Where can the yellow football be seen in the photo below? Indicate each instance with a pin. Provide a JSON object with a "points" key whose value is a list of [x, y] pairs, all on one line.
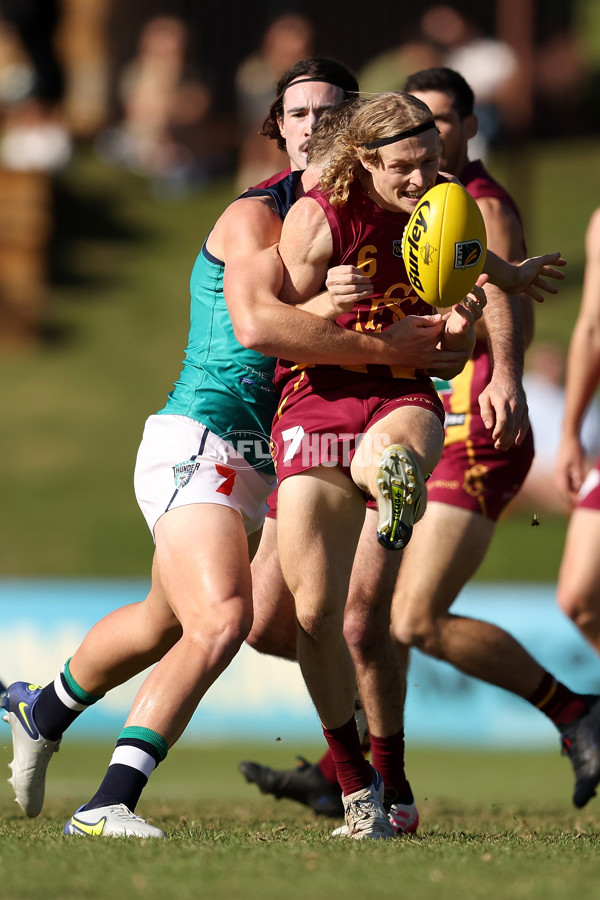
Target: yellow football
{"points": [[444, 245]]}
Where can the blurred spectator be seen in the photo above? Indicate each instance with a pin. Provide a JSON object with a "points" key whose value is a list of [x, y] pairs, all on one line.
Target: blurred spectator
{"points": [[288, 39], [34, 144], [389, 70], [31, 88], [545, 388], [562, 78], [83, 43], [489, 65], [165, 108]]}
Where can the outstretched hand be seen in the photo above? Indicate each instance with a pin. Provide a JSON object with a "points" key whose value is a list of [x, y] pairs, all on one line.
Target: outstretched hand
{"points": [[531, 274]]}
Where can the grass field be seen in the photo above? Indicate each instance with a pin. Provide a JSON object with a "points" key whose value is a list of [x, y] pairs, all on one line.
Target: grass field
{"points": [[115, 332], [492, 826]]}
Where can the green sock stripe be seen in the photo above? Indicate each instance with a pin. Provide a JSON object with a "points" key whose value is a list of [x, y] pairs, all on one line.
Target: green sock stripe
{"points": [[146, 734], [79, 692]]}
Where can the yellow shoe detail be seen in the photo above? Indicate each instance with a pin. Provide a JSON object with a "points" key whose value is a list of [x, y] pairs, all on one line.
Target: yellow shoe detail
{"points": [[93, 830], [22, 707]]}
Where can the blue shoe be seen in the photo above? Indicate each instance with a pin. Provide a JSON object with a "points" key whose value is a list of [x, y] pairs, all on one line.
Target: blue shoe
{"points": [[110, 821], [32, 752]]}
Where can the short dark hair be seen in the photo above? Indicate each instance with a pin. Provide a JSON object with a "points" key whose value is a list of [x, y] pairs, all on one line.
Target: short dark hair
{"points": [[317, 67], [447, 80]]}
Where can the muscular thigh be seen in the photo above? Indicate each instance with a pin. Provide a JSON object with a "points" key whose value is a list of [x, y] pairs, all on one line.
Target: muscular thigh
{"points": [[319, 518], [202, 559]]}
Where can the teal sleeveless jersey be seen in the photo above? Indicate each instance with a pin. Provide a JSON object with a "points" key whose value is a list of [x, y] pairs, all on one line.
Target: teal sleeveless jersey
{"points": [[222, 384]]}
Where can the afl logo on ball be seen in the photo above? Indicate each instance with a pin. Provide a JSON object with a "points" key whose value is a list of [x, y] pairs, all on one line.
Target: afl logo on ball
{"points": [[467, 254]]}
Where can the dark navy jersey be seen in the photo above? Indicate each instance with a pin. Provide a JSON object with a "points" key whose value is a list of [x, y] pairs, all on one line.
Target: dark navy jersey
{"points": [[282, 192]]}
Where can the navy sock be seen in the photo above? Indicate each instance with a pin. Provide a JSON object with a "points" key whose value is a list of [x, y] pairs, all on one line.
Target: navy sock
{"points": [[59, 704], [137, 753]]}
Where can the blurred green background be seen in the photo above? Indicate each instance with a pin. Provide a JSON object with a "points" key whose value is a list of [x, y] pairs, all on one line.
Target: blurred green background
{"points": [[114, 335]]}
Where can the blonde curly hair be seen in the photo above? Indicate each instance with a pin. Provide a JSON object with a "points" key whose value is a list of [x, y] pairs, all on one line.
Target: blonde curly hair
{"points": [[385, 115]]}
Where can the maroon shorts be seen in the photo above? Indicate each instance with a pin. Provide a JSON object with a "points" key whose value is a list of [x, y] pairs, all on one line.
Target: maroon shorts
{"points": [[474, 476], [324, 413], [589, 495], [471, 474]]}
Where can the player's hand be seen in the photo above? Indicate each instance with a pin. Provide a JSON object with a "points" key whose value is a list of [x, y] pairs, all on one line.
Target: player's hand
{"points": [[345, 286], [413, 342], [470, 310], [504, 411], [569, 468], [530, 276]]}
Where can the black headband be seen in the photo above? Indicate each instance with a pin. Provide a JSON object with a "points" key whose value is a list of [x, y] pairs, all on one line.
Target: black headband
{"points": [[315, 78], [410, 132]]}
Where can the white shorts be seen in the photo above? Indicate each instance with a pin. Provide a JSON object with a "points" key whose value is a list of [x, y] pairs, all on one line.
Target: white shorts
{"points": [[180, 462]]}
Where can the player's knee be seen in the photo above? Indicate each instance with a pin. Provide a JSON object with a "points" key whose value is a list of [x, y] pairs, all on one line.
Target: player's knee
{"points": [[362, 633], [578, 606], [223, 630], [321, 624], [418, 631], [274, 641]]}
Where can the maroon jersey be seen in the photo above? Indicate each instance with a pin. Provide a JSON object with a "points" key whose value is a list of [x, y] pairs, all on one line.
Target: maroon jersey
{"points": [[364, 234], [325, 410]]}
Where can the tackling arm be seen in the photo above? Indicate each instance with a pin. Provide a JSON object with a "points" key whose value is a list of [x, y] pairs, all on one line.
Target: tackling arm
{"points": [[245, 239]]}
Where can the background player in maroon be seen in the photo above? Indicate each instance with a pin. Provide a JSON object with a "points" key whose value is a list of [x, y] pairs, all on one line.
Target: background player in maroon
{"points": [[478, 476]]}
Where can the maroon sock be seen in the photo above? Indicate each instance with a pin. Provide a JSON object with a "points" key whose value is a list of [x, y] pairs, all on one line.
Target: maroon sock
{"points": [[353, 771], [556, 701], [387, 754], [326, 767]]}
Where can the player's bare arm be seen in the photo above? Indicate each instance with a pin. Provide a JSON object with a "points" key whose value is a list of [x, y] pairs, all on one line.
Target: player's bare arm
{"points": [[505, 238], [508, 325], [305, 249]]}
